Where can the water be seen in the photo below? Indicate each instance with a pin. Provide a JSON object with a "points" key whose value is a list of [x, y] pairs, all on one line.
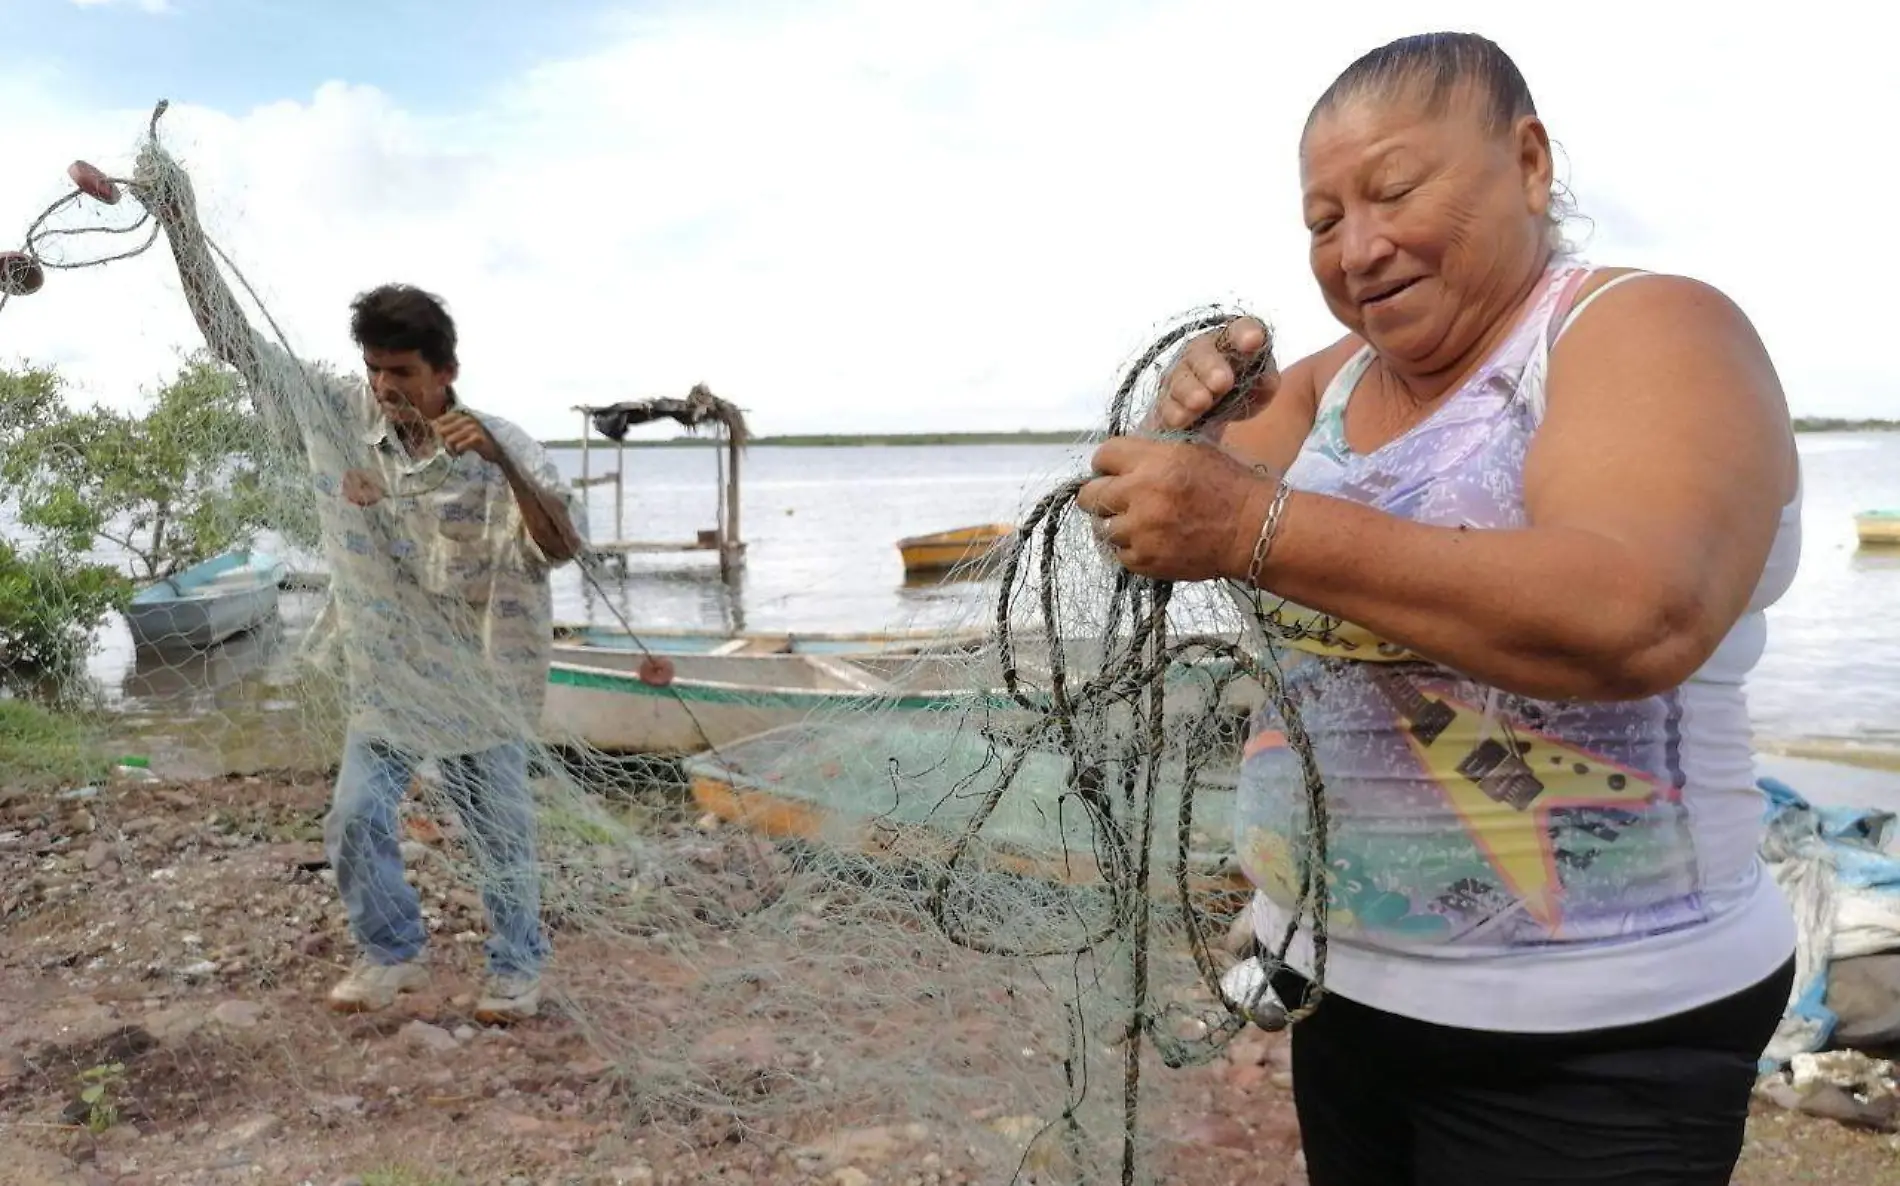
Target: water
{"points": [[1831, 674], [821, 526]]}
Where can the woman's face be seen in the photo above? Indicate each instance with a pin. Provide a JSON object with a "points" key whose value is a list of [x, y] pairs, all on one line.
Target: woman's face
{"points": [[1425, 229]]}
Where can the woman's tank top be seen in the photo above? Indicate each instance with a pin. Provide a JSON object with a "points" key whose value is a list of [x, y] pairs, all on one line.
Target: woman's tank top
{"points": [[1499, 862]]}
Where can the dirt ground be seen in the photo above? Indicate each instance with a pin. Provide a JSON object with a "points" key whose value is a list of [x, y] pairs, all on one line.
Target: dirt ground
{"points": [[168, 944]]}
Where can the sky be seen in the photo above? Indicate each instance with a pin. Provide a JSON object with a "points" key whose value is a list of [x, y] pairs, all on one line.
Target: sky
{"points": [[884, 216]]}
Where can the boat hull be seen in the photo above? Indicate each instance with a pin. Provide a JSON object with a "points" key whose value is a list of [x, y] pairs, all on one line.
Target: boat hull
{"points": [[912, 794], [1880, 530], [721, 692], [946, 550], [724, 687], [205, 604]]}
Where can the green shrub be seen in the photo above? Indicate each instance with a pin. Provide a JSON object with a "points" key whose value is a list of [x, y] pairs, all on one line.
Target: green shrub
{"points": [[50, 604]]}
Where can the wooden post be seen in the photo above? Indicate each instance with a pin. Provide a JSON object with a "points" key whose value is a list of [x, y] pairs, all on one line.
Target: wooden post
{"points": [[586, 468], [620, 500], [731, 543], [584, 458]]}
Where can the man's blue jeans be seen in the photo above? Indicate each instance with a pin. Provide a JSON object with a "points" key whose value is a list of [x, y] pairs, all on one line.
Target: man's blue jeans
{"points": [[490, 793]]}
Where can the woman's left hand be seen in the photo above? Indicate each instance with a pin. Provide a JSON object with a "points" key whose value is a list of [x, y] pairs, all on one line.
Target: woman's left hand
{"points": [[1176, 511]]}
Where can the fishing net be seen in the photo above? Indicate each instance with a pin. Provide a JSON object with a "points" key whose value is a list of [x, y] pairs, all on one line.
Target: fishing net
{"points": [[962, 900]]}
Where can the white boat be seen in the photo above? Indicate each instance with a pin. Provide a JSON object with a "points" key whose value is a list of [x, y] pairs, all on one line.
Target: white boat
{"points": [[206, 603], [727, 687]]}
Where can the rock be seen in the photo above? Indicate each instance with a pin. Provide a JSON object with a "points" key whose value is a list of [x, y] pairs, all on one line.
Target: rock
{"points": [[1044, 1154], [871, 1146], [590, 1068], [520, 1124], [637, 1174], [1833, 1103], [120, 1136], [749, 1050], [1220, 1132], [198, 970], [431, 1037], [1778, 1091], [177, 1023], [336, 1105], [252, 1130], [313, 944], [464, 1033], [850, 1175], [97, 854], [240, 1015]]}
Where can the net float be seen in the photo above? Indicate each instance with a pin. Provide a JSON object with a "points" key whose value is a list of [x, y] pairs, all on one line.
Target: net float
{"points": [[656, 671], [20, 274], [93, 182]]}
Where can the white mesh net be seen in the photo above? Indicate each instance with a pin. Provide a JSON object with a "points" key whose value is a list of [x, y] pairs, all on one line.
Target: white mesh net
{"points": [[948, 904]]}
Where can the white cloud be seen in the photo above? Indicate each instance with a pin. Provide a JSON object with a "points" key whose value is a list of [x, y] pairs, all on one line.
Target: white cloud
{"points": [[886, 217], [152, 6]]}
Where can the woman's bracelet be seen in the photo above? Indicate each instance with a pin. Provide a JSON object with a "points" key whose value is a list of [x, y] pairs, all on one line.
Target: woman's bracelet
{"points": [[1269, 528]]}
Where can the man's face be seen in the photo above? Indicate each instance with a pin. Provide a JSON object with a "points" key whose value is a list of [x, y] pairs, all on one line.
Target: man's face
{"points": [[407, 387]]}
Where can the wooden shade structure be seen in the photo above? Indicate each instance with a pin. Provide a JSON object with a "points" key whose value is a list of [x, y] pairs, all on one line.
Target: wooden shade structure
{"points": [[699, 409]]}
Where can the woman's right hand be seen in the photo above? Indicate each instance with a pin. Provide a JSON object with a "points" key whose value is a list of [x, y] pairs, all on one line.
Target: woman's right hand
{"points": [[1207, 371]]}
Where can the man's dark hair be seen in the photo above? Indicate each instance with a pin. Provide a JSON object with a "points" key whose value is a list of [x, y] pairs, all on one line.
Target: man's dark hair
{"points": [[1432, 67], [398, 317]]}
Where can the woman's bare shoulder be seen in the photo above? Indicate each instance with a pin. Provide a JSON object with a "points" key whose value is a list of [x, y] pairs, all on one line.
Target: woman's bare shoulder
{"points": [[1673, 352], [1274, 435]]}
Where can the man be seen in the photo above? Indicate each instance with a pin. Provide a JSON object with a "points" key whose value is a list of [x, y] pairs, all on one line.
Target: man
{"points": [[440, 525]]}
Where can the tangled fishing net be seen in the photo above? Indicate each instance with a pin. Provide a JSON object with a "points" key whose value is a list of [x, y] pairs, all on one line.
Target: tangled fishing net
{"points": [[973, 888]]}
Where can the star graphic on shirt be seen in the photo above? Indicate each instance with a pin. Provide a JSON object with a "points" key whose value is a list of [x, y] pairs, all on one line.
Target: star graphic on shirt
{"points": [[1504, 785]]}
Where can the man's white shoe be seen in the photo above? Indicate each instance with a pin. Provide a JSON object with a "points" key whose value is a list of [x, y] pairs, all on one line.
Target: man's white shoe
{"points": [[372, 986], [508, 997]]}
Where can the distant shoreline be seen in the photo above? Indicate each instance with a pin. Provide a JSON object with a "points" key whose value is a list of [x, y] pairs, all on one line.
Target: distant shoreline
{"points": [[1803, 424]]}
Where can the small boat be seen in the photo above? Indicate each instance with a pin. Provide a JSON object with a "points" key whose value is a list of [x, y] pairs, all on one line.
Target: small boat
{"points": [[1878, 528], [959, 548], [721, 688], [206, 603], [165, 675], [578, 639], [909, 792], [726, 686]]}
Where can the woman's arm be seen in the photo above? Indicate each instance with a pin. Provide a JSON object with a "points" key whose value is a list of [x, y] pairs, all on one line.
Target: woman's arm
{"points": [[1654, 490]]}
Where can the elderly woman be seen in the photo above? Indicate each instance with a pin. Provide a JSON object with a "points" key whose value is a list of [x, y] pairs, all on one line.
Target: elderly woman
{"points": [[1516, 530]]}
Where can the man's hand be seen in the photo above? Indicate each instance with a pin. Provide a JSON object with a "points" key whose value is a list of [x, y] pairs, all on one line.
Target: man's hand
{"points": [[362, 488], [461, 433]]}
